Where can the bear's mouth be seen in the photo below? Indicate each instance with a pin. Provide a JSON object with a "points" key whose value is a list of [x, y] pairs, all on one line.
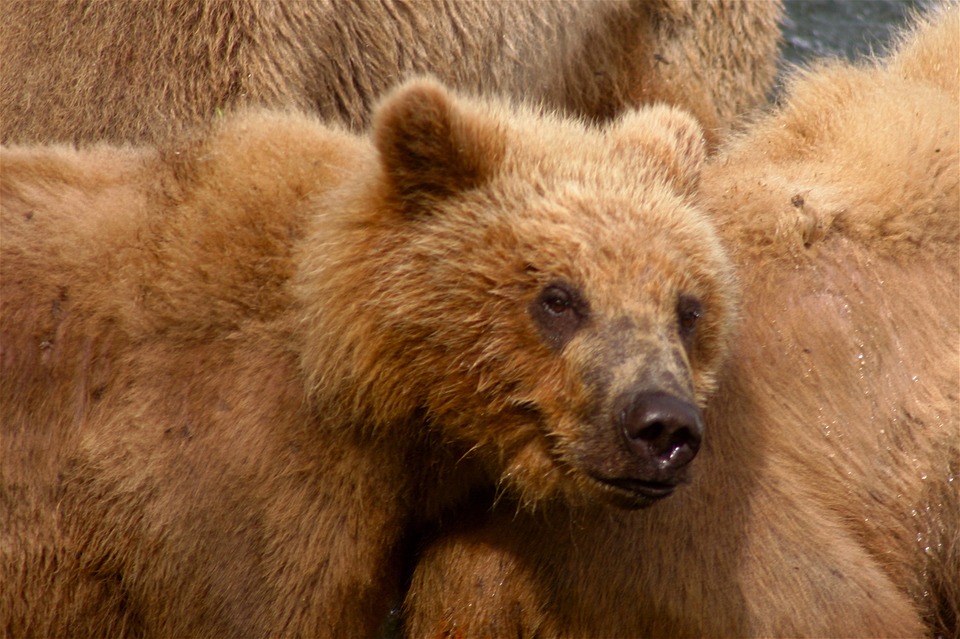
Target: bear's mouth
{"points": [[632, 493]]}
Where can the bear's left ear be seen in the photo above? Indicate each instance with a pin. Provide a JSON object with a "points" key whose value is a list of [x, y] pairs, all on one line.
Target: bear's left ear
{"points": [[433, 146], [668, 140]]}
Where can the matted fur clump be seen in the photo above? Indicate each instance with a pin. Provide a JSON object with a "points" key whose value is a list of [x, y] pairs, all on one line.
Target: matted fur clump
{"points": [[242, 373]]}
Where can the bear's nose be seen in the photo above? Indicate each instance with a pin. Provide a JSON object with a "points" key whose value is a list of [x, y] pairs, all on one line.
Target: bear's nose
{"points": [[661, 429]]}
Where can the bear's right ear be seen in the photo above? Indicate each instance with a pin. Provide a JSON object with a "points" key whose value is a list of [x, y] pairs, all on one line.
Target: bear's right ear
{"points": [[431, 147], [669, 140]]}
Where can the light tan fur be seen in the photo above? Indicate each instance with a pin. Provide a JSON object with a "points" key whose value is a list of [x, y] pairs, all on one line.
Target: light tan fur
{"points": [[242, 372], [825, 502], [93, 70]]}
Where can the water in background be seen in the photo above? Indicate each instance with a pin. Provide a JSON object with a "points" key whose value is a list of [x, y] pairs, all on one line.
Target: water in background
{"points": [[842, 28]]}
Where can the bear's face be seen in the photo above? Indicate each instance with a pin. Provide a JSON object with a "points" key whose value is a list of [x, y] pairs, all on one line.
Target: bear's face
{"points": [[539, 293]]}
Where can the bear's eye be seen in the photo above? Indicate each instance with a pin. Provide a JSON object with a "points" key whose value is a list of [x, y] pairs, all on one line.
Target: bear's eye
{"points": [[556, 301], [689, 311], [559, 310]]}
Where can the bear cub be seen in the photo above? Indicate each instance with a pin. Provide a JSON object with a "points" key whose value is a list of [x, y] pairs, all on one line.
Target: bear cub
{"points": [[243, 371]]}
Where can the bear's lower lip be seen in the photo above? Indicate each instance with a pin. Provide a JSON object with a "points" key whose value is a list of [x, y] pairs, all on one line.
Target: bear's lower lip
{"points": [[628, 492], [653, 489]]}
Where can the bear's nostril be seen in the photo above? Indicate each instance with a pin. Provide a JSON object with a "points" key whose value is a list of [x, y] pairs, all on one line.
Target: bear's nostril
{"points": [[652, 433], [662, 429]]}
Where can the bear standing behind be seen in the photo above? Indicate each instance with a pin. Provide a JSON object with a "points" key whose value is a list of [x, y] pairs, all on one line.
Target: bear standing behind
{"points": [[134, 71], [825, 502], [241, 373]]}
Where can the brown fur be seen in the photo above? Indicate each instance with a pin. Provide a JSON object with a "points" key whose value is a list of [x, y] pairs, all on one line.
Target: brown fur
{"points": [[826, 497], [241, 371], [93, 70]]}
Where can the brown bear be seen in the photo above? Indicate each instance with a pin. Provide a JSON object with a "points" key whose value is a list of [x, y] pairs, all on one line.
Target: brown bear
{"points": [[131, 71], [826, 501], [243, 372]]}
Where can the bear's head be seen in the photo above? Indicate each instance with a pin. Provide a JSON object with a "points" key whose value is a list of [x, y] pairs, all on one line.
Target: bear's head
{"points": [[535, 293]]}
